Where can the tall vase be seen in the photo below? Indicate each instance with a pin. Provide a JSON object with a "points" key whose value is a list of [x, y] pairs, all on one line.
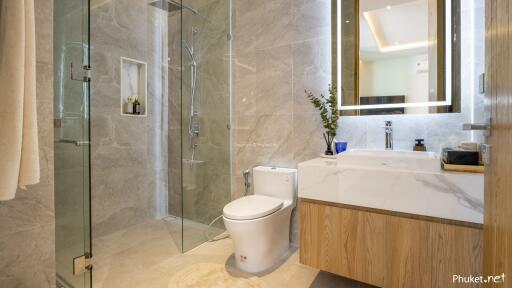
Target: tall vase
{"points": [[329, 151]]}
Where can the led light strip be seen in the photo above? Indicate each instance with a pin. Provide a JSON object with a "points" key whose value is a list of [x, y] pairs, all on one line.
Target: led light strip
{"points": [[338, 53], [398, 105], [447, 67]]}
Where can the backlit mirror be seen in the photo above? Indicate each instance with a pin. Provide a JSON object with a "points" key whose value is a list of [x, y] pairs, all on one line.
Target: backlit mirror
{"points": [[397, 56]]}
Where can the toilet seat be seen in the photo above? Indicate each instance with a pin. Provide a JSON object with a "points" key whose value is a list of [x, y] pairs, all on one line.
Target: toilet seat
{"points": [[252, 207]]}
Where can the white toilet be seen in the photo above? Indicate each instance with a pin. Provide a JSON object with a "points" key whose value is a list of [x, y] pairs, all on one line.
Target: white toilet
{"points": [[260, 224]]}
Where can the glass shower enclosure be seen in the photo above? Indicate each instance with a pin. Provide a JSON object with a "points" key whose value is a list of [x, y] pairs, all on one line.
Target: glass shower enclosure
{"points": [[71, 143], [170, 164], [199, 162]]}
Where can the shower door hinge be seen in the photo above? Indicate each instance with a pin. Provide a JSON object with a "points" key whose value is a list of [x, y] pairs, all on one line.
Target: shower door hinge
{"points": [[82, 264], [229, 37], [86, 74]]}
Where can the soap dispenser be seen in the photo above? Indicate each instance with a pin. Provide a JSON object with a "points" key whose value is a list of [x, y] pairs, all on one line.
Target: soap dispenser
{"points": [[129, 106], [419, 146]]}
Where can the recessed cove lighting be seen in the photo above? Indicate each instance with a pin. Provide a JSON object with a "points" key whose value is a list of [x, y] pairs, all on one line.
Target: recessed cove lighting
{"points": [[400, 47]]}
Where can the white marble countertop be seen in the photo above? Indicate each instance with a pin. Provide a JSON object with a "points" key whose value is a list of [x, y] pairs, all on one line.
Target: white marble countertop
{"points": [[440, 194]]}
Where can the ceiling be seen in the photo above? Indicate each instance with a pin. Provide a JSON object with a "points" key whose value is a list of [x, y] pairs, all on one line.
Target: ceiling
{"points": [[393, 27]]}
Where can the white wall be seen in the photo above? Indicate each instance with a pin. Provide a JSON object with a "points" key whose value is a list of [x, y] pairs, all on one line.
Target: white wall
{"points": [[395, 76], [388, 77], [418, 84]]}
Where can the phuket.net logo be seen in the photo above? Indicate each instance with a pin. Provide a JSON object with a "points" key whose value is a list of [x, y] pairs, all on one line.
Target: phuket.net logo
{"points": [[471, 279]]}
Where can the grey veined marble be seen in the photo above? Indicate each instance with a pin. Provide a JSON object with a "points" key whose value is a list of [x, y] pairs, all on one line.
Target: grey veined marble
{"points": [[129, 154], [442, 184], [27, 223], [430, 192]]}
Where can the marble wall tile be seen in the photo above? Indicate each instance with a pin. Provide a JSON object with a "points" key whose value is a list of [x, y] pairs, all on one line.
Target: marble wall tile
{"points": [[199, 189], [265, 89], [307, 138], [311, 20], [129, 154], [258, 25], [174, 117], [27, 223], [28, 258], [311, 71], [44, 31]]}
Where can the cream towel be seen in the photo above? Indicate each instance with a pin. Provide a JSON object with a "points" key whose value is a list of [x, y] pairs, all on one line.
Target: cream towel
{"points": [[19, 154]]}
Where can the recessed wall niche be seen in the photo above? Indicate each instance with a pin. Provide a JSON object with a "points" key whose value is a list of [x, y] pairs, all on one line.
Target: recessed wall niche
{"points": [[133, 86]]}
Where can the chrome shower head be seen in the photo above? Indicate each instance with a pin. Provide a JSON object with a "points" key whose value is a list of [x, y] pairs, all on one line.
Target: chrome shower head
{"points": [[166, 5], [171, 6]]}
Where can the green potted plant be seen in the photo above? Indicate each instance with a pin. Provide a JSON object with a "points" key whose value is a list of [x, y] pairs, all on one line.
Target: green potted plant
{"points": [[328, 108]]}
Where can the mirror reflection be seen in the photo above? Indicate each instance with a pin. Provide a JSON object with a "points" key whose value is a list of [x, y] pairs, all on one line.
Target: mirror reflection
{"points": [[398, 56]]}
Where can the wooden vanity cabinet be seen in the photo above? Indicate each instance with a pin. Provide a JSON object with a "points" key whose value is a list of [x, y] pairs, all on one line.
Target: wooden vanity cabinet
{"points": [[387, 250]]}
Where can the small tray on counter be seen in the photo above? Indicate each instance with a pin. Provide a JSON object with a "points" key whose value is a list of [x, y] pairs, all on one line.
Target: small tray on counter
{"points": [[463, 168]]}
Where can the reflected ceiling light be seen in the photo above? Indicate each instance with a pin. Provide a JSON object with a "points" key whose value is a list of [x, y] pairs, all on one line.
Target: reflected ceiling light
{"points": [[403, 47], [369, 20], [388, 7], [396, 45]]}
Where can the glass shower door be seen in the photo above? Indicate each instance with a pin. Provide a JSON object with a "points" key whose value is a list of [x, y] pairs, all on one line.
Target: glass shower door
{"points": [[205, 112], [71, 143]]}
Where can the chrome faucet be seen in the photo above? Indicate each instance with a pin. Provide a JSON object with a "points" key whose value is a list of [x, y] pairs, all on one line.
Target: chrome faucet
{"points": [[388, 130]]}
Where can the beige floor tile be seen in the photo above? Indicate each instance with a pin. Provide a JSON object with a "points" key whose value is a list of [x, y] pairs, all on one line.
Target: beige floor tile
{"points": [[145, 256]]}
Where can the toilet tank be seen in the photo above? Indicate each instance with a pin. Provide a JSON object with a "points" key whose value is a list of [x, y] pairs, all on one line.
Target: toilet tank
{"points": [[275, 182]]}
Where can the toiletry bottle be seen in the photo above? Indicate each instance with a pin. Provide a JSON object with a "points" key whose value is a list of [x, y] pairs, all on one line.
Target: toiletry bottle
{"points": [[129, 106], [136, 106], [419, 146]]}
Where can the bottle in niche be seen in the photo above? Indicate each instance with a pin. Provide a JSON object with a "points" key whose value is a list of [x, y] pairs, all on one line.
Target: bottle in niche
{"points": [[136, 106], [129, 106]]}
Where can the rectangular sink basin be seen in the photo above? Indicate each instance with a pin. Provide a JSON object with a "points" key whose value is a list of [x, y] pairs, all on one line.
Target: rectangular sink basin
{"points": [[400, 181], [391, 160]]}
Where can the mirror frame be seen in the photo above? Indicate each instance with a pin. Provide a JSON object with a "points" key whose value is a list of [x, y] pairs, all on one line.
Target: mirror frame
{"points": [[451, 62]]}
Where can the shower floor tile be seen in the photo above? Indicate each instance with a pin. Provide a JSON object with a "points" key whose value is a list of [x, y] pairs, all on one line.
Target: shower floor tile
{"points": [[192, 234], [145, 255]]}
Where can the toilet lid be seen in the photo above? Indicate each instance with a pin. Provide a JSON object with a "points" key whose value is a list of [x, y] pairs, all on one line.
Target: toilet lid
{"points": [[252, 207]]}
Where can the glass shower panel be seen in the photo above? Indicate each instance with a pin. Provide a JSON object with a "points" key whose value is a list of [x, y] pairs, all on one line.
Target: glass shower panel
{"points": [[205, 112], [175, 204], [71, 140]]}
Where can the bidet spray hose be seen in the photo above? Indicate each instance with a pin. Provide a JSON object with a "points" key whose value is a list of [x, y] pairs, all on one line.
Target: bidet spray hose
{"points": [[247, 185]]}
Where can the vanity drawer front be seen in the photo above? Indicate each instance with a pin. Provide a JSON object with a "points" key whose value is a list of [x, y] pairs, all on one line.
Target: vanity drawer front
{"points": [[387, 250], [345, 242]]}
